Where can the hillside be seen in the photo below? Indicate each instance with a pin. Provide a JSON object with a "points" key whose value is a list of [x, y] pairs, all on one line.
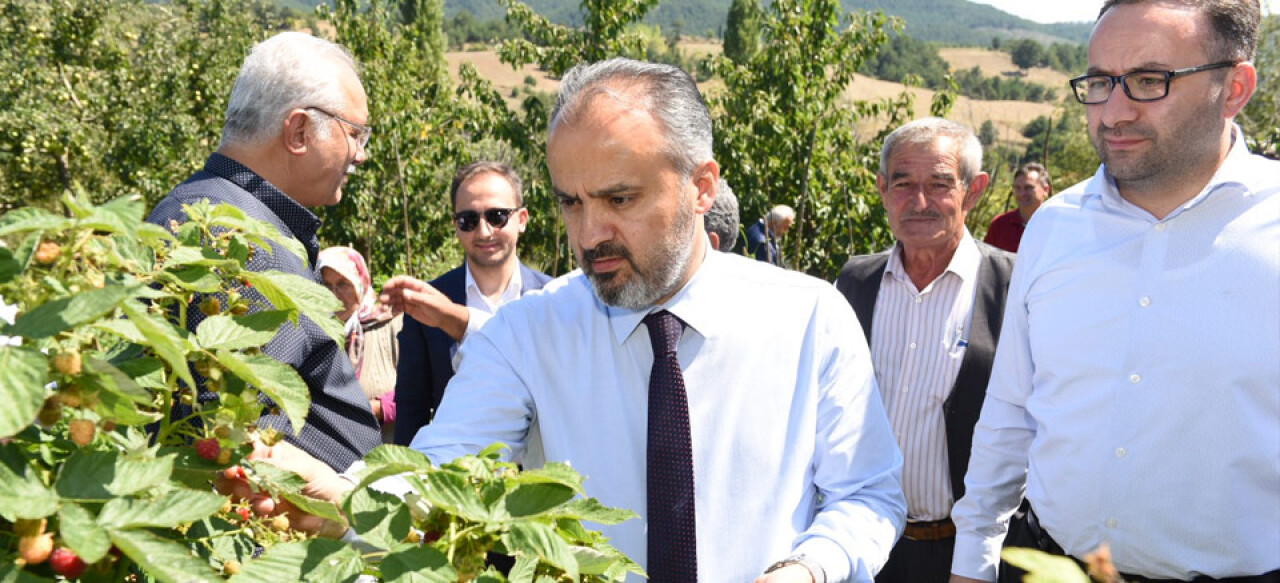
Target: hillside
{"points": [[953, 22]]}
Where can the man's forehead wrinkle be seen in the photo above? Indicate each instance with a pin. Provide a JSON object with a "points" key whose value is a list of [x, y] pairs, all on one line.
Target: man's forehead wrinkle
{"points": [[626, 93]]}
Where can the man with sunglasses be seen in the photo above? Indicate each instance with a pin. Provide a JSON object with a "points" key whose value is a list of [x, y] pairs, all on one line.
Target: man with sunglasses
{"points": [[488, 218], [1134, 390], [296, 127]]}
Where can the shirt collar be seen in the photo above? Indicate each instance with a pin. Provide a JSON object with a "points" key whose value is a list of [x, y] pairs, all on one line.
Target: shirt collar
{"points": [[694, 304], [964, 262], [1234, 170], [302, 223], [512, 292]]}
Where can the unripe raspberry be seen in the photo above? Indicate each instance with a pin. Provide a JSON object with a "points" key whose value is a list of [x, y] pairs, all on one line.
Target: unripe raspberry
{"points": [[82, 431], [211, 306], [48, 252], [71, 396], [65, 562], [35, 549], [231, 567], [280, 523], [224, 456], [68, 363], [50, 411], [222, 431]]}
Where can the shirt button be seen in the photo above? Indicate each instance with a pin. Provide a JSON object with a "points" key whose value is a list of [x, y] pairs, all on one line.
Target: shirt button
{"points": [[918, 300], [1135, 379], [1111, 523], [1121, 452], [906, 389], [1160, 226], [912, 346], [1145, 301]]}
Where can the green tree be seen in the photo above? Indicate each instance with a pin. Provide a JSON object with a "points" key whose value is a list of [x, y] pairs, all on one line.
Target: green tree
{"points": [[742, 30], [1261, 118], [1027, 53], [988, 135]]}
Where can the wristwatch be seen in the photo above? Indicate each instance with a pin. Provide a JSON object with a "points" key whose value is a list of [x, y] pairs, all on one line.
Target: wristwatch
{"points": [[819, 575]]}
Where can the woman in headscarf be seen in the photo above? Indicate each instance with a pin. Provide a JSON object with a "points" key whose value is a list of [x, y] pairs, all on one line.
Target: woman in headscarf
{"points": [[371, 330]]}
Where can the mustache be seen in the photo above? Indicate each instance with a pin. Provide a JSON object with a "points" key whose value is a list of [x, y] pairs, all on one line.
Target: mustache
{"points": [[922, 215], [605, 250]]}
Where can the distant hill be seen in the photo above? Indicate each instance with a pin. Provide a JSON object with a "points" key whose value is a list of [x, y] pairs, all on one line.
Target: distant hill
{"points": [[952, 22]]}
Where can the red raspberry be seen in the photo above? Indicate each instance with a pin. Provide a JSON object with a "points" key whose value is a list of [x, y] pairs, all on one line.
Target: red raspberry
{"points": [[235, 473], [65, 562], [244, 513], [208, 448]]}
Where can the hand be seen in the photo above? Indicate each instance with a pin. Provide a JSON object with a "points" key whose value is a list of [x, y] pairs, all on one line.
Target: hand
{"points": [[788, 574], [322, 483], [425, 304], [959, 579], [376, 406]]}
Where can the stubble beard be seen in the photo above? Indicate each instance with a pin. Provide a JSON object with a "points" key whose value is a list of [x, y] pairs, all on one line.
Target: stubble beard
{"points": [[642, 289]]}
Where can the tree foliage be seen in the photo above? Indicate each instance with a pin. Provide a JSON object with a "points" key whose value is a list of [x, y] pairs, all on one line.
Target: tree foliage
{"points": [[1261, 118], [742, 30]]}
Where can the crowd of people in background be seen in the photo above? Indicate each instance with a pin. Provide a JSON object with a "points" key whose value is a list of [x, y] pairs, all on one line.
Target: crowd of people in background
{"points": [[1114, 384]]}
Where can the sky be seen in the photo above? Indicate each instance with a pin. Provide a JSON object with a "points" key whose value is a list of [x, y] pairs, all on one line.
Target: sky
{"points": [[1073, 10]]}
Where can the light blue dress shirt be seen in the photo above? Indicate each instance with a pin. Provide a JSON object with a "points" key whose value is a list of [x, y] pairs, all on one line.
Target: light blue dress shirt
{"points": [[1138, 378], [792, 450]]}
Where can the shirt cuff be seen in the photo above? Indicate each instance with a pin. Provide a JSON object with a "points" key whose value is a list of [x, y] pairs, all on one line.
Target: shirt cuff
{"points": [[976, 557], [830, 556]]}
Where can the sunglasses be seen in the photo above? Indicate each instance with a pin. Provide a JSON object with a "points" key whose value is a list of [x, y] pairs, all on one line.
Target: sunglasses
{"points": [[467, 221]]}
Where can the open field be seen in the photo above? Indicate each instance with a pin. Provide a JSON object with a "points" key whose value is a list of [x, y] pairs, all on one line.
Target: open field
{"points": [[1008, 116]]}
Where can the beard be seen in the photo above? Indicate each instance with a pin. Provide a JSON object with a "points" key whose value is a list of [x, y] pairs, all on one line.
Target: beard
{"points": [[643, 286], [1174, 154]]}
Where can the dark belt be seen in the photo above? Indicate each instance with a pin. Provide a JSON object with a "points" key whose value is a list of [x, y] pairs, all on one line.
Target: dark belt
{"points": [[1051, 546], [932, 530]]}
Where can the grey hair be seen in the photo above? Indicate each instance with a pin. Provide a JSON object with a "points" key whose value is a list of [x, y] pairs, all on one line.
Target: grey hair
{"points": [[287, 71], [780, 213], [667, 93], [722, 219], [925, 131]]}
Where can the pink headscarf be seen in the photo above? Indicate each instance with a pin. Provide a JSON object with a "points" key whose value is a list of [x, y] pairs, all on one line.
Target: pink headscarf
{"points": [[348, 263]]}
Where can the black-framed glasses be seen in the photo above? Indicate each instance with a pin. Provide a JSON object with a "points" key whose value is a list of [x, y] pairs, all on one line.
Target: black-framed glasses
{"points": [[467, 221], [363, 132], [1138, 85]]}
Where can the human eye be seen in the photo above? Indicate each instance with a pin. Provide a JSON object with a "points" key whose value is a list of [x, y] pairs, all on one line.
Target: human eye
{"points": [[566, 202], [619, 201]]}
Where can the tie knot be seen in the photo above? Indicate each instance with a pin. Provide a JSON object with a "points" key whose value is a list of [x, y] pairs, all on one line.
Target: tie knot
{"points": [[664, 331]]}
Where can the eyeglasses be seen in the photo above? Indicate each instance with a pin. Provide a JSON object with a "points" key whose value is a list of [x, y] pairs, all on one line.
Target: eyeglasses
{"points": [[467, 221], [1138, 85], [362, 131]]}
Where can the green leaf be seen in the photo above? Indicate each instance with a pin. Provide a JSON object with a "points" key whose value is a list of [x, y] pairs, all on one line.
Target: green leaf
{"points": [[147, 372], [552, 473], [317, 559], [541, 540], [168, 342], [168, 510], [66, 313], [27, 218], [162, 559], [114, 380], [122, 328], [11, 573], [592, 510], [417, 564], [234, 333], [277, 379], [22, 493], [9, 267], [123, 411], [82, 533], [22, 392], [312, 299], [535, 499], [452, 492], [379, 518], [151, 234], [524, 570], [132, 249], [1041, 567], [102, 475], [281, 483], [202, 256], [196, 278], [121, 215], [389, 460]]}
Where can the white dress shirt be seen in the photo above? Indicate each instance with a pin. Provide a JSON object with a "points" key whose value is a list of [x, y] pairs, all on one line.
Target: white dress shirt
{"points": [[481, 308], [918, 340], [1136, 387], [791, 447]]}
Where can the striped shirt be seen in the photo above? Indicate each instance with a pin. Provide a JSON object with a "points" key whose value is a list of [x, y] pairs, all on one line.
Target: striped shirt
{"points": [[918, 340]]}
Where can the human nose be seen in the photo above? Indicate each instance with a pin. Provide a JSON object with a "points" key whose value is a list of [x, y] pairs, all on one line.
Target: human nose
{"points": [[1118, 108], [594, 227]]}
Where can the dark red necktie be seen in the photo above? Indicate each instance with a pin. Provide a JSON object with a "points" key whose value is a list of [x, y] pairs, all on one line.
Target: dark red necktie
{"points": [[673, 548]]}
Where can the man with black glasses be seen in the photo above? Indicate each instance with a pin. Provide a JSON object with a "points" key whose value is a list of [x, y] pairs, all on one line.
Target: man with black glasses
{"points": [[488, 218], [296, 127], [1134, 391]]}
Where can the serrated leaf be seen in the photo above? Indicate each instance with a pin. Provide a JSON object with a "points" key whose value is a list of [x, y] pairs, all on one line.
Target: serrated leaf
{"points": [[381, 519], [592, 510], [1041, 567], [162, 559], [312, 299], [133, 249], [552, 473], [541, 540], [21, 220], [147, 372], [389, 460], [120, 215], [537, 498], [82, 533], [451, 491], [234, 333], [524, 570], [22, 392], [22, 493], [202, 256], [103, 475], [164, 338], [274, 378], [168, 510], [154, 234], [417, 564], [114, 380], [66, 313], [196, 278], [317, 559], [122, 328], [123, 411]]}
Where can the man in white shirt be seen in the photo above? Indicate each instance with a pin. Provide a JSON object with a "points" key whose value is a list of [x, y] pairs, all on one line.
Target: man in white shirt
{"points": [[930, 308], [1134, 393], [771, 461], [489, 217]]}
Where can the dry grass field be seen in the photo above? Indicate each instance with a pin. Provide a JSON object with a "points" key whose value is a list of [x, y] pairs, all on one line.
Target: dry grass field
{"points": [[1008, 116]]}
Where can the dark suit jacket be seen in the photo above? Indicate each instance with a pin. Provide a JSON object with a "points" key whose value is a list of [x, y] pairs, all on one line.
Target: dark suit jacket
{"points": [[425, 363], [859, 281]]}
